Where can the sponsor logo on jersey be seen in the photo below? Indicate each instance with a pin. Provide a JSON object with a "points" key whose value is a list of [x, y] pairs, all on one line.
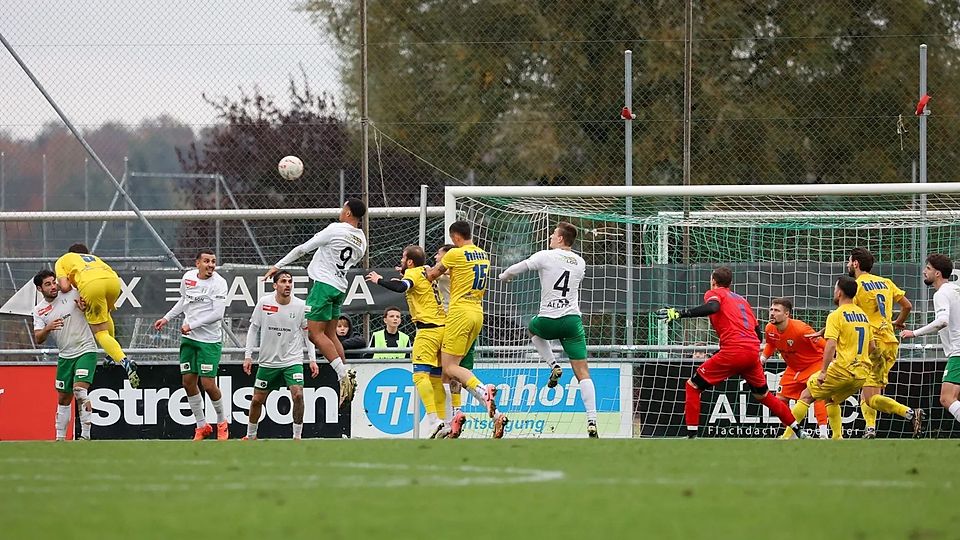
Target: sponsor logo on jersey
{"points": [[271, 309], [45, 310], [790, 343], [190, 283]]}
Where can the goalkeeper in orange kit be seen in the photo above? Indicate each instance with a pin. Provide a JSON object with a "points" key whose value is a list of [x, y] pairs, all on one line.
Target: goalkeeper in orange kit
{"points": [[99, 288]]}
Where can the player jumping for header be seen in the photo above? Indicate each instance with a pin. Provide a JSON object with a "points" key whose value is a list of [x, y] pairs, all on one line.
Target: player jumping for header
{"points": [[561, 272]]}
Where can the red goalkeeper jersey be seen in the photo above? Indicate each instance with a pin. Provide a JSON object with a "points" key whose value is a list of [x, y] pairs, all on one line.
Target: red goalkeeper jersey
{"points": [[735, 323]]}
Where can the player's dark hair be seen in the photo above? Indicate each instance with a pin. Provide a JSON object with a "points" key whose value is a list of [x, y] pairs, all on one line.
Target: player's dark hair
{"points": [[941, 263], [462, 228], [356, 206], [864, 257], [848, 286], [203, 252], [78, 248], [279, 274], [447, 247], [392, 308], [42, 275], [415, 254], [568, 232], [785, 302], [723, 276]]}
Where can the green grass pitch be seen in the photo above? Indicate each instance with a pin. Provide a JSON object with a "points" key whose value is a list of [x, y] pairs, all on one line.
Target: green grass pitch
{"points": [[511, 488]]}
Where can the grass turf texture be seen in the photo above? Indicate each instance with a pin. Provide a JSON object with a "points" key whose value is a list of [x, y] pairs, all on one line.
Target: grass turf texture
{"points": [[509, 488]]}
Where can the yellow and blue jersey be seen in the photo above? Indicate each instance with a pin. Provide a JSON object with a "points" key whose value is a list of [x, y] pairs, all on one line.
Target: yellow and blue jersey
{"points": [[850, 327], [82, 268], [468, 267], [423, 297], [876, 296]]}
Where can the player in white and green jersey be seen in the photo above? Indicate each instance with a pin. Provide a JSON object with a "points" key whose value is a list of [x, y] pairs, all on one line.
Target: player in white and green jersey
{"points": [[561, 271], [203, 300], [59, 314], [279, 325], [337, 248], [946, 305]]}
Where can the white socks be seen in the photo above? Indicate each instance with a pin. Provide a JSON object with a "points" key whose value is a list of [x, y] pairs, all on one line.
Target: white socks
{"points": [[589, 396], [196, 405], [823, 431], [546, 351], [86, 412], [448, 402], [63, 418], [478, 393], [252, 430], [218, 406], [337, 365], [297, 430], [954, 409]]}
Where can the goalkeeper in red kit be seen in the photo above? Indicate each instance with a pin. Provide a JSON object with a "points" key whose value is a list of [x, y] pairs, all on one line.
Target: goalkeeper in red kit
{"points": [[732, 318]]}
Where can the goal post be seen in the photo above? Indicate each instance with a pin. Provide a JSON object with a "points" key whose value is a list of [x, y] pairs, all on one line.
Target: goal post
{"points": [[780, 240]]}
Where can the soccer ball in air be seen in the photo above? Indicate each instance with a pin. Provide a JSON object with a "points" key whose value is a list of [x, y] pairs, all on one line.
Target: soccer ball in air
{"points": [[290, 167]]}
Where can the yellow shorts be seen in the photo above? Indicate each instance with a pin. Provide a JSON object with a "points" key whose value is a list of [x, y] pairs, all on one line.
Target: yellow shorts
{"points": [[463, 327], [101, 298], [882, 359], [426, 346], [838, 385]]}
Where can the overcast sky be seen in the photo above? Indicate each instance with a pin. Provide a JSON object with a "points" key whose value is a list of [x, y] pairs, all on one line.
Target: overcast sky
{"points": [[113, 60]]}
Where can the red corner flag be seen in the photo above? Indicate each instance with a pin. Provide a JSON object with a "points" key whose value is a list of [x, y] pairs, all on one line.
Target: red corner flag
{"points": [[922, 104]]}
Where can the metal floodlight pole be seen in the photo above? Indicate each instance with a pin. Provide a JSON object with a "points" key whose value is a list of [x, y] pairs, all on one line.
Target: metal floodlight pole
{"points": [[86, 199], [364, 145], [628, 180], [89, 149], [924, 291], [43, 226]]}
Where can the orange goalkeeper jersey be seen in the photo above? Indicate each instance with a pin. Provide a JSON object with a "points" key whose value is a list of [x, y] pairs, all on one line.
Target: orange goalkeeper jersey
{"points": [[797, 351]]}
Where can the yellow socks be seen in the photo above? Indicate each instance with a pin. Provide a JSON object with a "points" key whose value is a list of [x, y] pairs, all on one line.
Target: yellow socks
{"points": [[835, 421], [422, 381], [869, 414], [884, 404], [456, 399], [439, 396], [110, 345], [799, 413]]}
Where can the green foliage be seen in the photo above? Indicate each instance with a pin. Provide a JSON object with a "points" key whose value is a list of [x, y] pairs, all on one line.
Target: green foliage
{"points": [[782, 91]]}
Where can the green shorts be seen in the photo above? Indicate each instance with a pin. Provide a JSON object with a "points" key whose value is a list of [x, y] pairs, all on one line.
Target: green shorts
{"points": [[324, 302], [269, 379], [568, 329], [74, 370], [199, 357], [950, 375], [467, 360]]}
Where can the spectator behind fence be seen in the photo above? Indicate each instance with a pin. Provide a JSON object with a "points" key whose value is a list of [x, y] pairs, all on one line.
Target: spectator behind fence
{"points": [[347, 337], [390, 336]]}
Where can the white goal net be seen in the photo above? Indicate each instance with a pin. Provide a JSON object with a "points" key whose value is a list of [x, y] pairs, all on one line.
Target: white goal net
{"points": [[650, 247]]}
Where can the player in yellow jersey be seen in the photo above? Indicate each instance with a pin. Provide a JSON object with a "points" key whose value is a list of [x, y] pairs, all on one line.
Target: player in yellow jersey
{"points": [[426, 310], [846, 357], [876, 296], [468, 266], [99, 288]]}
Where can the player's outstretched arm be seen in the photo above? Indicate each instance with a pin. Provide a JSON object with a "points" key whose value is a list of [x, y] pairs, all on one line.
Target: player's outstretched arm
{"points": [[307, 247], [942, 309], [515, 270], [395, 285], [705, 310]]}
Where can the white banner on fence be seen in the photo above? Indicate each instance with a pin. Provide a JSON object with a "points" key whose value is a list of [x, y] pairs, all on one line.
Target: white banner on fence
{"points": [[386, 398]]}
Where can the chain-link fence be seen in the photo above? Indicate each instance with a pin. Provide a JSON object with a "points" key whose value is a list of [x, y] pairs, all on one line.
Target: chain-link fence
{"points": [[459, 92]]}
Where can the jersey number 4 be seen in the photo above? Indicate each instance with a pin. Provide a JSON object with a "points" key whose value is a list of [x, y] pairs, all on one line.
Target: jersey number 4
{"points": [[563, 283]]}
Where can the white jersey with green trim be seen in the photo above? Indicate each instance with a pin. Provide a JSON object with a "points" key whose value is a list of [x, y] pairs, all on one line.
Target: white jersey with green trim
{"points": [[203, 303], [75, 338], [337, 248], [281, 331], [561, 272], [946, 305]]}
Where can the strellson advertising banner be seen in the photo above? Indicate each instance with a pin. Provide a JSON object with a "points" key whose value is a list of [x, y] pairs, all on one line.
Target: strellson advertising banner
{"points": [[159, 408], [386, 397]]}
